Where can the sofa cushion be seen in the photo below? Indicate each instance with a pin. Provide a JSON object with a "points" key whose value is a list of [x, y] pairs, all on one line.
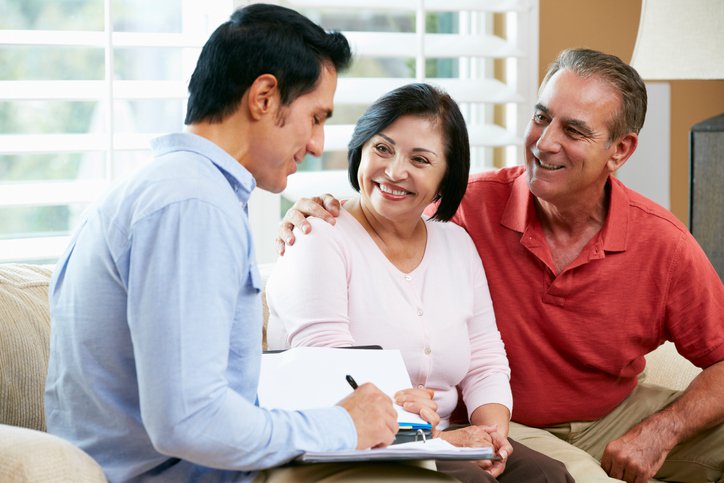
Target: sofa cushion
{"points": [[24, 343], [27, 455], [666, 367]]}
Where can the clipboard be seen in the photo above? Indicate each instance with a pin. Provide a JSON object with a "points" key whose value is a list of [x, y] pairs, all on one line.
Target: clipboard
{"points": [[431, 449], [367, 347]]}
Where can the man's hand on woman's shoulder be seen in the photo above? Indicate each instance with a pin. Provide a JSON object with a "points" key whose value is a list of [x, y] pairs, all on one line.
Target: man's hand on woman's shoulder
{"points": [[325, 207]]}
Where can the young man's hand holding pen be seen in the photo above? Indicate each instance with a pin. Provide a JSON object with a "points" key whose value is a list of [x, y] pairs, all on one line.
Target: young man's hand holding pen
{"points": [[373, 415]]}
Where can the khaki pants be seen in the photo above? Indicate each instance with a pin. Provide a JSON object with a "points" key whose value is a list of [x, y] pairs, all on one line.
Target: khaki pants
{"points": [[360, 472], [580, 445]]}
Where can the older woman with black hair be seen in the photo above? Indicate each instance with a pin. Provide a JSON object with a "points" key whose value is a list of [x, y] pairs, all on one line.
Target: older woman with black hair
{"points": [[386, 275]]}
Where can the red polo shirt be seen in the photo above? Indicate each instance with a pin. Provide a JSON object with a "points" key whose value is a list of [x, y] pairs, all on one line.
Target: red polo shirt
{"points": [[576, 341]]}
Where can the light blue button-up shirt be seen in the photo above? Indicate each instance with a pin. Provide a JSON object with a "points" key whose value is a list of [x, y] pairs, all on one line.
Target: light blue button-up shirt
{"points": [[156, 330]]}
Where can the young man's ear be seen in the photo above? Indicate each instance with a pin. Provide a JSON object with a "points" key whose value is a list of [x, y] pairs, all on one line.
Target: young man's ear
{"points": [[624, 148], [263, 96]]}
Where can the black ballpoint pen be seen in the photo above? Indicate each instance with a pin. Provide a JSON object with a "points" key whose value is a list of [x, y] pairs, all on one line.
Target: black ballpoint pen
{"points": [[351, 381]]}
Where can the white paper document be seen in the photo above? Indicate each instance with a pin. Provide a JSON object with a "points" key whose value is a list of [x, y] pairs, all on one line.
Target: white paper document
{"points": [[314, 377]]}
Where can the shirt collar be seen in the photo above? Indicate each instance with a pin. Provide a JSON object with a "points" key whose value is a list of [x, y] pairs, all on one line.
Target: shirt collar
{"points": [[520, 214], [615, 229], [240, 179], [520, 203]]}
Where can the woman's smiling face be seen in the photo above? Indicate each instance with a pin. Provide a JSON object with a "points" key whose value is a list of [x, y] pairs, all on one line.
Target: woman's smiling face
{"points": [[402, 167]]}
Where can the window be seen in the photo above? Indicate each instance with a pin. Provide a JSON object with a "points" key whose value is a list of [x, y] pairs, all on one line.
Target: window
{"points": [[86, 84]]}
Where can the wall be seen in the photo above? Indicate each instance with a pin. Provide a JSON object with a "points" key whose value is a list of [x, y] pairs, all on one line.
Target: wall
{"points": [[611, 26]]}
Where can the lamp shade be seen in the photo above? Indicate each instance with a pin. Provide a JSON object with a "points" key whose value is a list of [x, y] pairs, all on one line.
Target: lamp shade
{"points": [[680, 39]]}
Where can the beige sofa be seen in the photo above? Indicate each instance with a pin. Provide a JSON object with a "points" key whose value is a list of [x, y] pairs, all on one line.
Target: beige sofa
{"points": [[27, 453]]}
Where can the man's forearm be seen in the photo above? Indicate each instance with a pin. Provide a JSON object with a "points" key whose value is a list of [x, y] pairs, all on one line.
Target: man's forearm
{"points": [[700, 407]]}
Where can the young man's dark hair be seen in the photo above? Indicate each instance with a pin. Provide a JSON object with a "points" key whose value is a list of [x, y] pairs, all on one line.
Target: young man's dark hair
{"points": [[261, 39]]}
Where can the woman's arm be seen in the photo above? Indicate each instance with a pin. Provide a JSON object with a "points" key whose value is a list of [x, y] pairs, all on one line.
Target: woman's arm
{"points": [[307, 292], [492, 415], [486, 386]]}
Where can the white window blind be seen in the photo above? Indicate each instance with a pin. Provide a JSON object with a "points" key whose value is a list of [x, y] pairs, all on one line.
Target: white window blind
{"points": [[85, 84]]}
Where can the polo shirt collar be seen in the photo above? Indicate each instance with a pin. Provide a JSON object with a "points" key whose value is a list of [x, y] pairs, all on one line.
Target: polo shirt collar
{"points": [[520, 215], [520, 206], [615, 229]]}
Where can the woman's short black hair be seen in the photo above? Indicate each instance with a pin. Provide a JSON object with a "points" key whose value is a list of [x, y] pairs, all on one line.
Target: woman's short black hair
{"points": [[421, 100], [261, 39]]}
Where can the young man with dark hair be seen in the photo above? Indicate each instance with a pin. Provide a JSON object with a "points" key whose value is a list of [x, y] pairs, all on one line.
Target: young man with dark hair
{"points": [[156, 311]]}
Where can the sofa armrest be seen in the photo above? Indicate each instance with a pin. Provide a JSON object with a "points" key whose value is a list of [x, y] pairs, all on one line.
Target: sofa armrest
{"points": [[27, 455], [24, 342]]}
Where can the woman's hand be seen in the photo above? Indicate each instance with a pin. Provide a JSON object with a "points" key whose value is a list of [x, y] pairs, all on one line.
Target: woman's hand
{"points": [[502, 448], [469, 436], [482, 436], [419, 401]]}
